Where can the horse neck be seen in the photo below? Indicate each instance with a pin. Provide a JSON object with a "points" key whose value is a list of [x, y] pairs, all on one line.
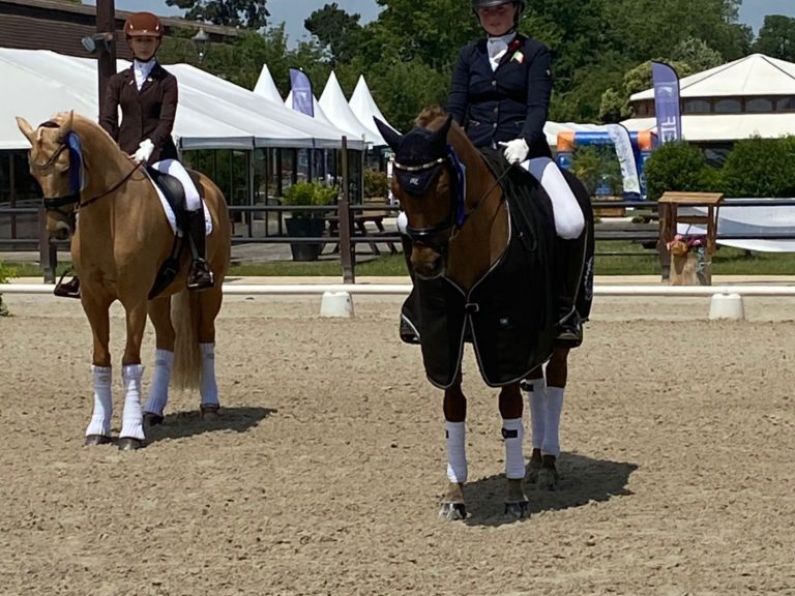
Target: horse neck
{"points": [[483, 237], [105, 163]]}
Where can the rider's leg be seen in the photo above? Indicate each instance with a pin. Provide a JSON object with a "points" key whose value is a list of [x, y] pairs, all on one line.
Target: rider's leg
{"points": [[569, 220], [200, 276], [570, 271]]}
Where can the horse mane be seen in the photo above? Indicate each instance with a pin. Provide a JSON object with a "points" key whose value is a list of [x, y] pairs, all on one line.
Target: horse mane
{"points": [[428, 115]]}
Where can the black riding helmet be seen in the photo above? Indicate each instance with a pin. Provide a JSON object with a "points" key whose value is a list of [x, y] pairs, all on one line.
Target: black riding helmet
{"points": [[476, 4]]}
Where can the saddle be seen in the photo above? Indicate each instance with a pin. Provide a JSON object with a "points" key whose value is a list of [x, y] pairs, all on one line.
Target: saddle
{"points": [[174, 193]]}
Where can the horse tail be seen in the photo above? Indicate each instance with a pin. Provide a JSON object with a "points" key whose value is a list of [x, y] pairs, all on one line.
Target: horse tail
{"points": [[186, 374]]}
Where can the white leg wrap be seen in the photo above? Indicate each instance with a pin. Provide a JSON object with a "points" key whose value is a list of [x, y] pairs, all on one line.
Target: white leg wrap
{"points": [[103, 401], [209, 387], [537, 401], [456, 433], [158, 392], [513, 435], [569, 220], [132, 418], [551, 445]]}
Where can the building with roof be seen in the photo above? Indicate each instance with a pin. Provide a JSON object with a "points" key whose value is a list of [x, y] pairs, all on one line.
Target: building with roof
{"points": [[752, 96]]}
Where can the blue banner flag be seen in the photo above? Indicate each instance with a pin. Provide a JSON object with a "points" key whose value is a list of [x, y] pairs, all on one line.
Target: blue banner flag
{"points": [[303, 100], [666, 102]]}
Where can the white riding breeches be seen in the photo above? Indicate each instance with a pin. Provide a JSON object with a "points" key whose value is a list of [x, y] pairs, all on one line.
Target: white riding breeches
{"points": [[569, 220], [174, 168]]}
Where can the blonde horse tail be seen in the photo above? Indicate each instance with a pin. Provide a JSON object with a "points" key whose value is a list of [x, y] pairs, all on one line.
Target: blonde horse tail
{"points": [[186, 374]]}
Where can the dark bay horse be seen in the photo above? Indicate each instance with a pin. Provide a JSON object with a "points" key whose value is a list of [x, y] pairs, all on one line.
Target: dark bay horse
{"points": [[471, 262], [122, 239]]}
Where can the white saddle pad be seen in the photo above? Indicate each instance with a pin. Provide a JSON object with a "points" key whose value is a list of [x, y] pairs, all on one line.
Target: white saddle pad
{"points": [[172, 220]]}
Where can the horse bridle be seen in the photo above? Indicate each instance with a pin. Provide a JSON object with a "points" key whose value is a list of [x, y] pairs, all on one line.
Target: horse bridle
{"points": [[430, 236], [55, 204]]}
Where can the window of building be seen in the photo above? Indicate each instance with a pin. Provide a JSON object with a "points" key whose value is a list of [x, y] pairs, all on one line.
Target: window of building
{"points": [[728, 106], [785, 104], [758, 105], [697, 106]]}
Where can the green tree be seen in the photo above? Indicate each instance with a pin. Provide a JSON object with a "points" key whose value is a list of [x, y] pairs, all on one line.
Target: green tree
{"points": [[697, 55], [338, 32], [777, 38], [249, 14]]}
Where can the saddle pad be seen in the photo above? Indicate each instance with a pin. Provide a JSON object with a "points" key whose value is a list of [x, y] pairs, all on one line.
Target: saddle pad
{"points": [[172, 220]]}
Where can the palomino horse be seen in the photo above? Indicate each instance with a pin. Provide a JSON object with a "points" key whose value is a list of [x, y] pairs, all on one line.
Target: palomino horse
{"points": [[122, 239], [472, 278]]}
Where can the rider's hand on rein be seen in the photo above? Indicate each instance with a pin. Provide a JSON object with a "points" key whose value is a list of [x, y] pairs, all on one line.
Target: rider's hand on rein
{"points": [[144, 151], [515, 151]]}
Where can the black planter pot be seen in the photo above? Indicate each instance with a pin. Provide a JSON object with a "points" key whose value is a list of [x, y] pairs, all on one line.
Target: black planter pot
{"points": [[305, 227]]}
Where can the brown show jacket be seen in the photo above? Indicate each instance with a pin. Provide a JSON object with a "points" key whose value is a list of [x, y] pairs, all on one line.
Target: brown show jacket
{"points": [[146, 114]]}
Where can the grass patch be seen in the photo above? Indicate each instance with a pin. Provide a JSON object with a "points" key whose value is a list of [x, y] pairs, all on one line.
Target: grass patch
{"points": [[627, 258]]}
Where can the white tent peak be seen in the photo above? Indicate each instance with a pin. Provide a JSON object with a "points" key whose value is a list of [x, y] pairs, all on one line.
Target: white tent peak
{"points": [[266, 87], [365, 109], [756, 74], [338, 111]]}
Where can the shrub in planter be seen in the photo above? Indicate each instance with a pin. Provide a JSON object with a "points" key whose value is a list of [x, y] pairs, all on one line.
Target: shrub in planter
{"points": [[375, 184], [308, 224]]}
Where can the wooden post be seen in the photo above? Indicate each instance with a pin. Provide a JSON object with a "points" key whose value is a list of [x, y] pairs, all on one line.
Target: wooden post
{"points": [[106, 60], [345, 221]]}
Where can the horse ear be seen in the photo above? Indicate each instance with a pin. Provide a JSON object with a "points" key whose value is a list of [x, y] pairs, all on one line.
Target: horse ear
{"points": [[440, 136], [66, 127], [392, 138], [26, 129]]}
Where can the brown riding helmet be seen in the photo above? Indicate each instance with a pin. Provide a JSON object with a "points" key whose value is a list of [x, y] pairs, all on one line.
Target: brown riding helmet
{"points": [[143, 24]]}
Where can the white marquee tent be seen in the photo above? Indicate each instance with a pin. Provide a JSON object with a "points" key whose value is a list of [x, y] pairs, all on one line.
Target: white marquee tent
{"points": [[755, 75], [319, 113], [213, 113]]}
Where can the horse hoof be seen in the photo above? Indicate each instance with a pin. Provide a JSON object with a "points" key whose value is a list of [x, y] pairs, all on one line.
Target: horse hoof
{"points": [[209, 411], [93, 440], [548, 480], [518, 510], [152, 419], [453, 511], [130, 444]]}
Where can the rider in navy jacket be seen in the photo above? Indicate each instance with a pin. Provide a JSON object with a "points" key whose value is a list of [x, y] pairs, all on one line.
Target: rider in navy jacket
{"points": [[500, 94], [507, 103]]}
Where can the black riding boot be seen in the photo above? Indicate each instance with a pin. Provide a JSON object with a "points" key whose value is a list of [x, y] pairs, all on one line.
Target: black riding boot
{"points": [[571, 268], [69, 289], [199, 277]]}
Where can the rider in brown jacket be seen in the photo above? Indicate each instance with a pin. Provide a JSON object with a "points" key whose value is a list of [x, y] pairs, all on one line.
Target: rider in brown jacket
{"points": [[148, 97]]}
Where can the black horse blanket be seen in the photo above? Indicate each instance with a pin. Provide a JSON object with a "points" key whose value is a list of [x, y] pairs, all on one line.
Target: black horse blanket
{"points": [[509, 314]]}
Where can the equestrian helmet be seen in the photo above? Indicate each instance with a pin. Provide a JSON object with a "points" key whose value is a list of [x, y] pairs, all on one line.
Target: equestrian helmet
{"points": [[143, 24], [476, 4]]}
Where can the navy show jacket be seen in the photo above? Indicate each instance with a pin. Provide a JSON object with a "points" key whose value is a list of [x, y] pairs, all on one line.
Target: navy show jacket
{"points": [[509, 103]]}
